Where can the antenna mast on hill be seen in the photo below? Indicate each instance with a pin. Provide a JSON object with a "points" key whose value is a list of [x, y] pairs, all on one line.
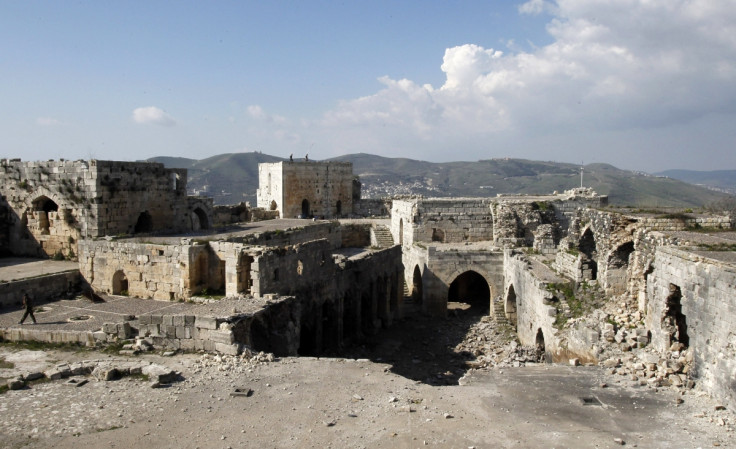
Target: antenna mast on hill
{"points": [[582, 167]]}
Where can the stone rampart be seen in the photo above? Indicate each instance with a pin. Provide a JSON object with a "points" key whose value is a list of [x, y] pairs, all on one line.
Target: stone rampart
{"points": [[692, 301]]}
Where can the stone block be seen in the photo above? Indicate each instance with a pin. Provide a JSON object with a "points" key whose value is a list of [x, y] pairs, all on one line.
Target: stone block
{"points": [[205, 322], [189, 320], [168, 320], [225, 337], [144, 319], [187, 345], [228, 349], [157, 319], [124, 330], [168, 331], [110, 328], [178, 320]]}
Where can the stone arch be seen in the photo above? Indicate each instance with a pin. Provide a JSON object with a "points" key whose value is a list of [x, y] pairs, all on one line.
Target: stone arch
{"points": [[618, 267], [200, 220], [338, 208], [589, 250], [42, 206], [144, 223], [473, 289], [306, 212], [417, 292], [119, 283], [510, 307]]}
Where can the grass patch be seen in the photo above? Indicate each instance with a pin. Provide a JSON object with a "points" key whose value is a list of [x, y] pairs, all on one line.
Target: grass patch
{"points": [[4, 364]]}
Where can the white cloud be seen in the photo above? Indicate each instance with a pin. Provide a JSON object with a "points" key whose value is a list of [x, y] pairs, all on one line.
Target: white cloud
{"points": [[613, 65], [256, 112], [47, 121], [152, 115]]}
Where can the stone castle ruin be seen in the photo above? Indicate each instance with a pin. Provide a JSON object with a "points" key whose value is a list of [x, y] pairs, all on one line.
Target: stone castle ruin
{"points": [[652, 295]]}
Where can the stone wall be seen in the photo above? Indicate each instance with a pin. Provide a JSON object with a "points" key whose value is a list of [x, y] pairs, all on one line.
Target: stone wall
{"points": [[527, 294], [53, 204], [445, 264], [692, 301], [372, 207], [41, 289], [306, 189]]}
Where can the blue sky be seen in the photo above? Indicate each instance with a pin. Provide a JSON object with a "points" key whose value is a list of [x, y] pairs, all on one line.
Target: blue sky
{"points": [[646, 85]]}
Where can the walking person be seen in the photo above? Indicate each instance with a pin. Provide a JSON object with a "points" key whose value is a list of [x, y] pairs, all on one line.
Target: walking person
{"points": [[28, 305]]}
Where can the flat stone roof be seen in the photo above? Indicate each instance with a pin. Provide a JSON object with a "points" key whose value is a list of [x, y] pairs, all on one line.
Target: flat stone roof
{"points": [[17, 268], [60, 314]]}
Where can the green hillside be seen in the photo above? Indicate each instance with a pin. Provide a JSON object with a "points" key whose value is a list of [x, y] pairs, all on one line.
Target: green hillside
{"points": [[231, 178]]}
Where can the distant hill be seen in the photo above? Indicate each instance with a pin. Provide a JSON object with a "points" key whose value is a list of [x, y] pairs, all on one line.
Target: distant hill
{"points": [[231, 178], [721, 180], [381, 176], [228, 178]]}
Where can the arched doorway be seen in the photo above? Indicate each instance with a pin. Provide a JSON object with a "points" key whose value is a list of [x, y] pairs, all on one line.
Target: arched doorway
{"points": [[469, 292], [539, 342], [200, 220], [305, 208], [590, 255], [144, 223], [119, 283], [510, 307]]}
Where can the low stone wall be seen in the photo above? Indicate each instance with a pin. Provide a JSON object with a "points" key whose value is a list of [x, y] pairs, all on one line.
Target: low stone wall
{"points": [[372, 207], [48, 336], [686, 222], [41, 288]]}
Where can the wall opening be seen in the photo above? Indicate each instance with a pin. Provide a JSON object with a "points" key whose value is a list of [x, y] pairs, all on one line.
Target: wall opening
{"points": [[305, 208], [469, 292], [243, 269], [308, 333], [200, 220], [618, 267], [416, 291], [338, 208], [510, 307], [43, 205], [438, 235], [539, 343], [144, 223], [587, 246], [119, 283], [351, 316], [401, 231], [674, 322]]}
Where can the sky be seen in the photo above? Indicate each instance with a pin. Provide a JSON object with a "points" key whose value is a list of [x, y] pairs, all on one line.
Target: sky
{"points": [[641, 84]]}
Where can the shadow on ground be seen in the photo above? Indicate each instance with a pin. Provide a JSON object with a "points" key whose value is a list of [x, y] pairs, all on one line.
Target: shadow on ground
{"points": [[422, 348]]}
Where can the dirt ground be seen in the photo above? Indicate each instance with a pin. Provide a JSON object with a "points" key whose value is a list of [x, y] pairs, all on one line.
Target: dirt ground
{"points": [[409, 387]]}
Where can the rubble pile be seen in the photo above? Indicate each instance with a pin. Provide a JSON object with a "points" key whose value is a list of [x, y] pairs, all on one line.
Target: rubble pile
{"points": [[493, 344], [237, 364]]}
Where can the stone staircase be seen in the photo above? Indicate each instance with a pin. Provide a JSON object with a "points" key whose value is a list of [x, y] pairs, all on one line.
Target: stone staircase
{"points": [[384, 239], [499, 314]]}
